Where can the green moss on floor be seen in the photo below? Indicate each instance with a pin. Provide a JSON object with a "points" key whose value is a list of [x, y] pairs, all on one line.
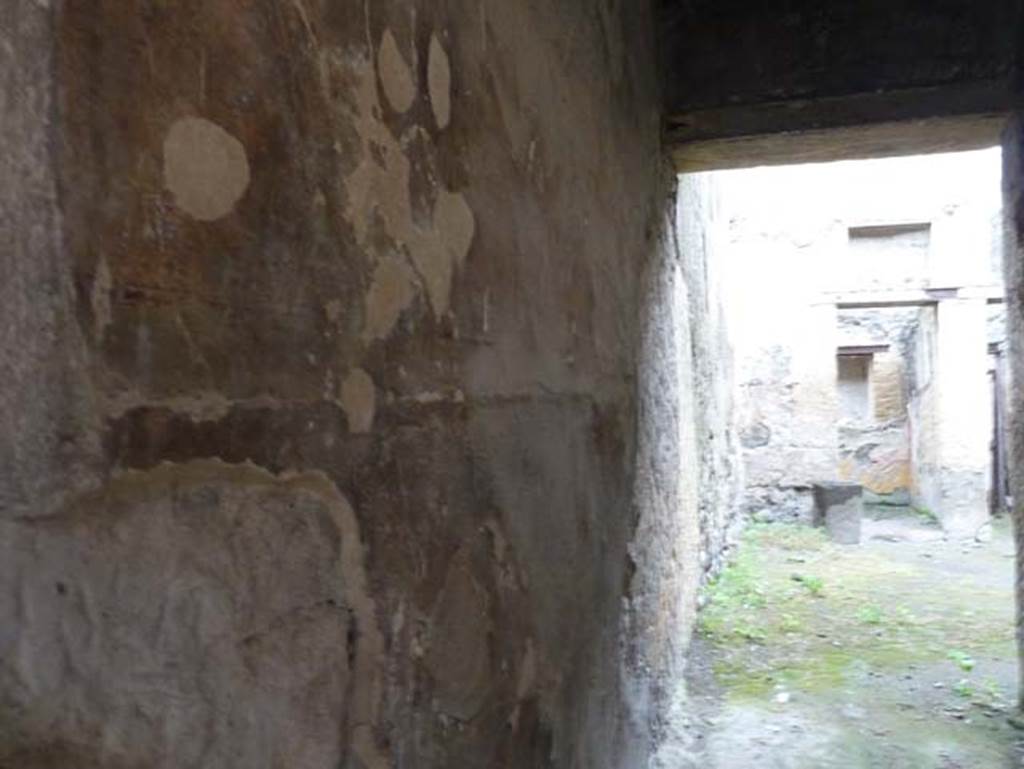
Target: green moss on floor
{"points": [[896, 652], [797, 609]]}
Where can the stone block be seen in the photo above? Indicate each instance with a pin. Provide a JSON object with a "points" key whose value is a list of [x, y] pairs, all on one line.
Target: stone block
{"points": [[839, 507]]}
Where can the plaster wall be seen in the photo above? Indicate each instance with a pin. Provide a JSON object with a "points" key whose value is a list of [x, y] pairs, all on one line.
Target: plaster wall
{"points": [[923, 414], [703, 236], [1013, 270], [790, 256], [690, 470], [964, 415], [320, 355]]}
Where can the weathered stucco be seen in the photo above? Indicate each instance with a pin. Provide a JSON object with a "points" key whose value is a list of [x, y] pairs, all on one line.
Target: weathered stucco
{"points": [[1013, 271], [361, 407], [687, 482], [194, 614], [821, 260], [875, 445], [51, 442], [703, 230], [320, 333]]}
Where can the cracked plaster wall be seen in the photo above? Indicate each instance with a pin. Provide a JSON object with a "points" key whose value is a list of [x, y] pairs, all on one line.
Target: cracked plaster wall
{"points": [[320, 347]]}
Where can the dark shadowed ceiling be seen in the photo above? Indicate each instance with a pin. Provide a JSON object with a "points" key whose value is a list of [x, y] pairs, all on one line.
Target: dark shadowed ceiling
{"points": [[719, 52]]}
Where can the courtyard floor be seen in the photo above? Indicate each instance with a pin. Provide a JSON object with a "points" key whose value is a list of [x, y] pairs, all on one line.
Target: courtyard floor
{"points": [[894, 654]]}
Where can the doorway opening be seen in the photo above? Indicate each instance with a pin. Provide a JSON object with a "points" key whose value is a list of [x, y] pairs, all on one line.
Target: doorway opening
{"points": [[869, 601]]}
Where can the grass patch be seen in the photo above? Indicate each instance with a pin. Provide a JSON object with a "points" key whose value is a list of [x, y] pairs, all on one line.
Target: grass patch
{"points": [[729, 599], [963, 688], [963, 660], [813, 585], [790, 623], [870, 615], [771, 626]]}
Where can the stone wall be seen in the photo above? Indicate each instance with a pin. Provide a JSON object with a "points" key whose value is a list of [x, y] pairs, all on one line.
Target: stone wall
{"points": [[874, 447], [703, 235], [805, 240], [1013, 270], [321, 327], [689, 470]]}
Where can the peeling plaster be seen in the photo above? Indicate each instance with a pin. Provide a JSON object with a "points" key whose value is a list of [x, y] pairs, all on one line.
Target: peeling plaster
{"points": [[438, 252], [205, 168], [395, 74], [439, 82], [358, 399], [390, 293], [373, 216], [446, 248], [379, 189]]}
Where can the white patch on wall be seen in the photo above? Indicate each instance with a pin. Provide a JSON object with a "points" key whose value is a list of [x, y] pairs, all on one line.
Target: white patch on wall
{"points": [[446, 247], [205, 168], [359, 399], [379, 191], [439, 82], [390, 293], [395, 74]]}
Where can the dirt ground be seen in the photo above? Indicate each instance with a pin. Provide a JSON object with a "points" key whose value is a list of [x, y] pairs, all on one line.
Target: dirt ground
{"points": [[895, 653]]}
